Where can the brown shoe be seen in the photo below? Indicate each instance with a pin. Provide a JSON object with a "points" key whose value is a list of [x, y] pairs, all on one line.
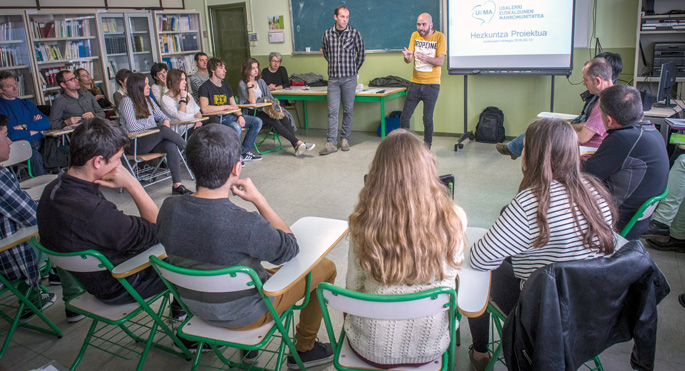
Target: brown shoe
{"points": [[328, 149], [503, 149], [480, 364], [345, 145]]}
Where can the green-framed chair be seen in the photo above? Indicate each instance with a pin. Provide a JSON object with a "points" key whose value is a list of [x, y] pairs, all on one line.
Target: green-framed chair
{"points": [[119, 330], [270, 134], [14, 300], [386, 307], [644, 212], [231, 279]]}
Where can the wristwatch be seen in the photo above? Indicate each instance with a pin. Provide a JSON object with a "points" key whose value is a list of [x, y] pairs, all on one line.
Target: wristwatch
{"points": [[23, 126]]}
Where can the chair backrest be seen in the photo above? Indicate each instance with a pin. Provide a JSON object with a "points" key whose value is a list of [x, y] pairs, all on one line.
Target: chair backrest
{"points": [[644, 212], [389, 307], [20, 151], [216, 281], [85, 261]]}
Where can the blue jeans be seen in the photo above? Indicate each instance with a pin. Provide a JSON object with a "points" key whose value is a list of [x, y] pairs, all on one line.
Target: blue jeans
{"points": [[252, 124], [36, 158], [516, 145], [340, 88], [428, 93]]}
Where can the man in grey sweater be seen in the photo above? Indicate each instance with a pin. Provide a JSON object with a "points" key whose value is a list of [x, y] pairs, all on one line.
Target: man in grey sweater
{"points": [[73, 104], [207, 231]]}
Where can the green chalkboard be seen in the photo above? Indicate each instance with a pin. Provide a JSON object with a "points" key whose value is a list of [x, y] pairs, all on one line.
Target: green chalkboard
{"points": [[384, 24]]}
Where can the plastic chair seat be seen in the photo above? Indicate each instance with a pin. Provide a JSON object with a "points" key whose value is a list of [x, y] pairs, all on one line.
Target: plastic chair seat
{"points": [[347, 358], [114, 313], [198, 327], [41, 180]]}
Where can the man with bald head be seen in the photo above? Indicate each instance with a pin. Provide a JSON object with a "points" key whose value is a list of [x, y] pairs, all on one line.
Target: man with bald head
{"points": [[427, 48]]}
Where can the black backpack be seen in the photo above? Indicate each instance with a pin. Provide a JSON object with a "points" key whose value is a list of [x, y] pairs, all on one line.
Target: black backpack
{"points": [[490, 128]]}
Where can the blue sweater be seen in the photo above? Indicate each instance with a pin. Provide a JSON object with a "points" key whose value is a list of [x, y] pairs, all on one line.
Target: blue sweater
{"points": [[22, 111]]}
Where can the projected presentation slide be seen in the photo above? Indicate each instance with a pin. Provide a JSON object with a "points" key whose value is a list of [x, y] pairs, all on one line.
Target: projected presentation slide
{"points": [[495, 36]]}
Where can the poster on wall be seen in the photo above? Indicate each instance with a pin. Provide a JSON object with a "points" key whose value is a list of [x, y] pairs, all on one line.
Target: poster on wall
{"points": [[276, 27]]}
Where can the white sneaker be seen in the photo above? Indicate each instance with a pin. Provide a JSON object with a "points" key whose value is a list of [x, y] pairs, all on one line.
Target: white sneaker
{"points": [[304, 147]]}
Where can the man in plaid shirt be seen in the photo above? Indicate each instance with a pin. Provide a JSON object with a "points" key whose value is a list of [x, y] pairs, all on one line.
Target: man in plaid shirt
{"points": [[17, 210], [343, 48]]}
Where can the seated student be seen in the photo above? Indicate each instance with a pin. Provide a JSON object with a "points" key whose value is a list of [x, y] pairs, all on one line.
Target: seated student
{"points": [[667, 229], [559, 214], [121, 77], [178, 104], [632, 160], [73, 215], [25, 121], [138, 112], [275, 75], [18, 210], [401, 242], [216, 95], [73, 104], [86, 83], [237, 237], [590, 97], [200, 76], [252, 89], [158, 88]]}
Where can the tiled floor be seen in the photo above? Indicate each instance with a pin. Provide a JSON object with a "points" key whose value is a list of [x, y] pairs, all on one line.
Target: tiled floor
{"points": [[328, 186]]}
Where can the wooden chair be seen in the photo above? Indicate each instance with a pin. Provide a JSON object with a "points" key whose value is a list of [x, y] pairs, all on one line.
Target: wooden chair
{"points": [[118, 329], [14, 302]]}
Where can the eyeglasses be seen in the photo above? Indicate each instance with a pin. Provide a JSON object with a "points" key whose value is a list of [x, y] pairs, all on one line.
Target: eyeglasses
{"points": [[275, 61], [73, 79]]}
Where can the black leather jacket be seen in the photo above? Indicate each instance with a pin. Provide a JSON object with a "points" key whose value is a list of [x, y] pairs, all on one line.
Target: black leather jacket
{"points": [[570, 312]]}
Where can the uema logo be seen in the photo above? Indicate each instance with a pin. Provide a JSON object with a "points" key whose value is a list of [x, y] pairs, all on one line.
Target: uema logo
{"points": [[484, 12]]}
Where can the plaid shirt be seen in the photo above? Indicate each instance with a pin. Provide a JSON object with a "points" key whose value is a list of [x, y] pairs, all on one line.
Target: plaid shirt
{"points": [[17, 210], [344, 52]]}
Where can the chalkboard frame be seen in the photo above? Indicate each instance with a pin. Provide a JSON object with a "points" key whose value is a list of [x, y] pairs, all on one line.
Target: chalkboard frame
{"points": [[439, 17]]}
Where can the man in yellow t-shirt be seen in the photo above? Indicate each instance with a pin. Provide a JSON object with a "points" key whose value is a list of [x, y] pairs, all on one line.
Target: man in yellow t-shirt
{"points": [[427, 48]]}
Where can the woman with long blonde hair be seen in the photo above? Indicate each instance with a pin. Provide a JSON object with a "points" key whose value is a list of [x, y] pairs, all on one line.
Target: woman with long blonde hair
{"points": [[406, 236], [559, 214]]}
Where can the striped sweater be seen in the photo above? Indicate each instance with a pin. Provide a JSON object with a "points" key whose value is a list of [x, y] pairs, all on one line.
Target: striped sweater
{"points": [[515, 231]]}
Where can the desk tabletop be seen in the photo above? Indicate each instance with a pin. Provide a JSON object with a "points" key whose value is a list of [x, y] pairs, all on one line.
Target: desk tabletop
{"points": [[664, 112], [561, 116], [142, 133], [220, 113], [20, 236], [315, 237], [255, 105], [182, 122], [474, 285], [138, 262], [57, 132], [323, 90]]}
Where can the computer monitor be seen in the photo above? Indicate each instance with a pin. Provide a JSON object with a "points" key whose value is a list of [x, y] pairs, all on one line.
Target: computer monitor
{"points": [[666, 83]]}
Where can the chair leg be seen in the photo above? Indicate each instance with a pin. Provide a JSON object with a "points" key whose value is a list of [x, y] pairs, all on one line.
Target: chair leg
{"points": [[86, 341], [183, 158]]}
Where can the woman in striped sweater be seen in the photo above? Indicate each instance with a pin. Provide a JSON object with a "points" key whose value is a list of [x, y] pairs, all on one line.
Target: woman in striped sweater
{"points": [[138, 112], [559, 214]]}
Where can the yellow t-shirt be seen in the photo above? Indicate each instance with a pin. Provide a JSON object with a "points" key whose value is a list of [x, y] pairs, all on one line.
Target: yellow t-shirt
{"points": [[433, 45]]}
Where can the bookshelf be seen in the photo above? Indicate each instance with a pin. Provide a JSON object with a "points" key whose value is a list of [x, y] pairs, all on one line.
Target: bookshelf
{"points": [[63, 40], [127, 44], [15, 55], [179, 36], [653, 32]]}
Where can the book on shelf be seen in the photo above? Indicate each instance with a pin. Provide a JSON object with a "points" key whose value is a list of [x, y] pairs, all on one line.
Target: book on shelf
{"points": [[189, 42], [184, 23], [77, 49], [9, 56], [183, 63], [109, 25], [115, 45], [72, 28], [10, 31], [112, 69], [47, 52], [138, 44]]}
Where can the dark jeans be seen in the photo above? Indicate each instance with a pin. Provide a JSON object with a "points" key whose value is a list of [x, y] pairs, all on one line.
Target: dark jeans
{"points": [[282, 126], [428, 93], [36, 158], [505, 290], [166, 141]]}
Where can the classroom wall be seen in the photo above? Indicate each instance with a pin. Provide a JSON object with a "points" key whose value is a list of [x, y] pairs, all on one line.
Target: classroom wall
{"points": [[520, 97]]}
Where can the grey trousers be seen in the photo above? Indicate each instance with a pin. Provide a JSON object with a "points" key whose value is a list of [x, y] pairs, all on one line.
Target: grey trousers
{"points": [[340, 88], [671, 210]]}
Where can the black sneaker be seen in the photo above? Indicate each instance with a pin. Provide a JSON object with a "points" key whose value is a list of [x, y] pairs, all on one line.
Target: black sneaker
{"points": [[180, 190], [657, 230], [193, 345], [177, 312], [250, 157], [249, 357], [672, 244], [320, 354], [46, 300], [73, 317], [53, 278]]}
